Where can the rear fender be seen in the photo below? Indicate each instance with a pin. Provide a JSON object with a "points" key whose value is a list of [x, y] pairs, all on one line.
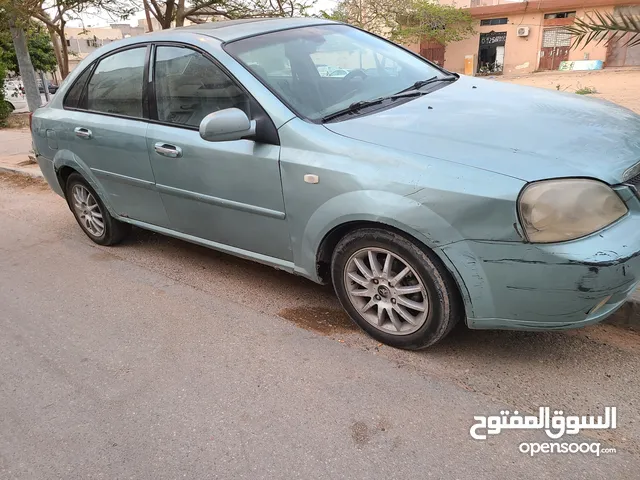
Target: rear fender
{"points": [[66, 158]]}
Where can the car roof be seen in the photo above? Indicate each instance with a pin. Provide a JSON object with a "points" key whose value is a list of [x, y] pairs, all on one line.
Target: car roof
{"points": [[229, 30]]}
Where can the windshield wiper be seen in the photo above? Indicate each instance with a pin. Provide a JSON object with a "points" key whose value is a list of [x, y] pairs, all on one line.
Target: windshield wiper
{"points": [[422, 83], [412, 91], [353, 108]]}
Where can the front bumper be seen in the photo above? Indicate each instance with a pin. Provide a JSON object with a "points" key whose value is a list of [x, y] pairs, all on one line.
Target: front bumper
{"points": [[545, 287]]}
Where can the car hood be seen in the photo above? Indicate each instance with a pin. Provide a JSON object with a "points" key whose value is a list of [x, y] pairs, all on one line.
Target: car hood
{"points": [[523, 132]]}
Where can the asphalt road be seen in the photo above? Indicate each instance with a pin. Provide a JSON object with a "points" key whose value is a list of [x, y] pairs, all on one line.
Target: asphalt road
{"points": [[158, 359]]}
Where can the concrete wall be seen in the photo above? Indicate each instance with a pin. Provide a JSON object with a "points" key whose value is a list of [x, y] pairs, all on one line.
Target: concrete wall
{"points": [[521, 53], [593, 51]]}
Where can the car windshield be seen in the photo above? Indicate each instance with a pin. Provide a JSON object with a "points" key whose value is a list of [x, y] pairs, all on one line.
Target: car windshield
{"points": [[320, 70]]}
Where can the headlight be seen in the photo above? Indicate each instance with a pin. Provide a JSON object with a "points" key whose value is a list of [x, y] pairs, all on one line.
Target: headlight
{"points": [[565, 209]]}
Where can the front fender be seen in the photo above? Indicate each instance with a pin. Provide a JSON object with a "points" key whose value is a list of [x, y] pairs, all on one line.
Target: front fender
{"points": [[400, 212]]}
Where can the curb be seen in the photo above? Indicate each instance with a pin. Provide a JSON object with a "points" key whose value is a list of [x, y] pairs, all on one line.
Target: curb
{"points": [[27, 172]]}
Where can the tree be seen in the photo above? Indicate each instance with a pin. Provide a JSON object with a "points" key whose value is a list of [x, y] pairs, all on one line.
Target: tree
{"points": [[55, 14], [198, 11], [11, 15], [430, 21], [406, 20], [606, 27], [5, 110], [38, 44]]}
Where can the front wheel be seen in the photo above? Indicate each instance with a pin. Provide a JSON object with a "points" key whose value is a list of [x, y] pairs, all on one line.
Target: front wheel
{"points": [[91, 214], [397, 292]]}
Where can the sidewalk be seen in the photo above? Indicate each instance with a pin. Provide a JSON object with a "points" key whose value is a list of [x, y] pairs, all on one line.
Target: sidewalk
{"points": [[15, 152]]}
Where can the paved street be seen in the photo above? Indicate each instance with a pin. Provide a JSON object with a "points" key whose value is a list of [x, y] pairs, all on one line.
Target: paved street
{"points": [[159, 359]]}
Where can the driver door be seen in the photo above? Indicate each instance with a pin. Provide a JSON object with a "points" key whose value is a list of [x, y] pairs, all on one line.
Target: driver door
{"points": [[228, 192]]}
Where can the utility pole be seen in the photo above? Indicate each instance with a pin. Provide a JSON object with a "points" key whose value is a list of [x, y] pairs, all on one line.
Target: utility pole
{"points": [[45, 85], [27, 72]]}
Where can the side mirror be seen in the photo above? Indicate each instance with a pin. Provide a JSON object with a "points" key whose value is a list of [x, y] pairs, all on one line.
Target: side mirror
{"points": [[227, 125]]}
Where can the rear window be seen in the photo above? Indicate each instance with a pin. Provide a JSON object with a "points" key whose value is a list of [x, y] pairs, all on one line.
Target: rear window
{"points": [[116, 84], [74, 96]]}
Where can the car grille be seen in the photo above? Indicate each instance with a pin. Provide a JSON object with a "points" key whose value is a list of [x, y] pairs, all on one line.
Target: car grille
{"points": [[634, 182]]}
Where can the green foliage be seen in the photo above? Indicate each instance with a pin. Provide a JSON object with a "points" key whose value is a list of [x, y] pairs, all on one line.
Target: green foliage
{"points": [[407, 21], [605, 26], [4, 106], [586, 91], [338, 14], [425, 19], [40, 49]]}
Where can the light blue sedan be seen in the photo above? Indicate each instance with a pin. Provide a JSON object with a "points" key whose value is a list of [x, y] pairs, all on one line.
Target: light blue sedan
{"points": [[425, 197]]}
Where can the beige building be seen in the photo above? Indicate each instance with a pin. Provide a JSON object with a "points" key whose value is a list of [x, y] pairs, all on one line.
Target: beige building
{"points": [[524, 37]]}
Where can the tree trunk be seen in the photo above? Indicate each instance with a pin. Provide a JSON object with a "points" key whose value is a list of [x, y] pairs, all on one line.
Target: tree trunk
{"points": [[180, 14], [26, 67], [56, 46], [65, 51], [168, 14], [147, 14]]}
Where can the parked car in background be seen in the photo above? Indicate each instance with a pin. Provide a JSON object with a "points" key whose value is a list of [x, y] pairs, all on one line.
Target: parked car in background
{"points": [[14, 97], [339, 72], [323, 70], [424, 197]]}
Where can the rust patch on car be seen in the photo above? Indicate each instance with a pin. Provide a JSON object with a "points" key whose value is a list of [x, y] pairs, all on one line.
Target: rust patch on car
{"points": [[325, 321]]}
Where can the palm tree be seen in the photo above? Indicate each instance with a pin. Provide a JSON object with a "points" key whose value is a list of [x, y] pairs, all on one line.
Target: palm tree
{"points": [[606, 26]]}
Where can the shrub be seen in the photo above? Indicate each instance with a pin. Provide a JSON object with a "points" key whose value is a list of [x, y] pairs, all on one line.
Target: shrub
{"points": [[4, 106], [586, 91]]}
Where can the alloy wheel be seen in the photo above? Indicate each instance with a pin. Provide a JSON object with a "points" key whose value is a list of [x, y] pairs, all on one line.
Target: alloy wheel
{"points": [[88, 210], [386, 291]]}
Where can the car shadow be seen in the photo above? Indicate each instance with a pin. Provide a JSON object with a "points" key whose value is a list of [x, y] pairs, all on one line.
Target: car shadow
{"points": [[315, 307]]}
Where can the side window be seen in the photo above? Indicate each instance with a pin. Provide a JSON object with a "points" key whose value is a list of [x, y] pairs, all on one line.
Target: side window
{"points": [[72, 99], [189, 87], [116, 84]]}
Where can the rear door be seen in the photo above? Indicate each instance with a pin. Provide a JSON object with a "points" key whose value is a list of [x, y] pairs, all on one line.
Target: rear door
{"points": [[225, 192], [105, 128]]}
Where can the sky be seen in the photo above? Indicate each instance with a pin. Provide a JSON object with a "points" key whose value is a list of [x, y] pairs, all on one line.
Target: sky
{"points": [[100, 21]]}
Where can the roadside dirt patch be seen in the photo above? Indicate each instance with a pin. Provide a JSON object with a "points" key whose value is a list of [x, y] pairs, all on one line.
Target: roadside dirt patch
{"points": [[22, 181], [18, 120], [621, 86], [325, 321]]}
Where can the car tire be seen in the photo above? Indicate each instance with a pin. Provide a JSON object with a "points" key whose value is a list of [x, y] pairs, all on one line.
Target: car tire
{"points": [[10, 106], [405, 299], [92, 216]]}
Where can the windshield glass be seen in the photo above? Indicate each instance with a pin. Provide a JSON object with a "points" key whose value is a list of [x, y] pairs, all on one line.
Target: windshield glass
{"points": [[322, 69]]}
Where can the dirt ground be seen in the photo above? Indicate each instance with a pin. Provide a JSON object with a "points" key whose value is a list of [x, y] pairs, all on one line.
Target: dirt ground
{"points": [[621, 86]]}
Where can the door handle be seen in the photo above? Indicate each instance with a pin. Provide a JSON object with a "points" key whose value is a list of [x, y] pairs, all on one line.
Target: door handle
{"points": [[82, 132], [167, 150]]}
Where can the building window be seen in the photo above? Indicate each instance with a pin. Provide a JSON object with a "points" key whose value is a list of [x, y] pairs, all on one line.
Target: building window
{"points": [[68, 42], [494, 21], [549, 16]]}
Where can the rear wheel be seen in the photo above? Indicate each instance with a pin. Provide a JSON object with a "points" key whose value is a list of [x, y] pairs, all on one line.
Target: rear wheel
{"points": [[397, 292], [91, 214]]}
